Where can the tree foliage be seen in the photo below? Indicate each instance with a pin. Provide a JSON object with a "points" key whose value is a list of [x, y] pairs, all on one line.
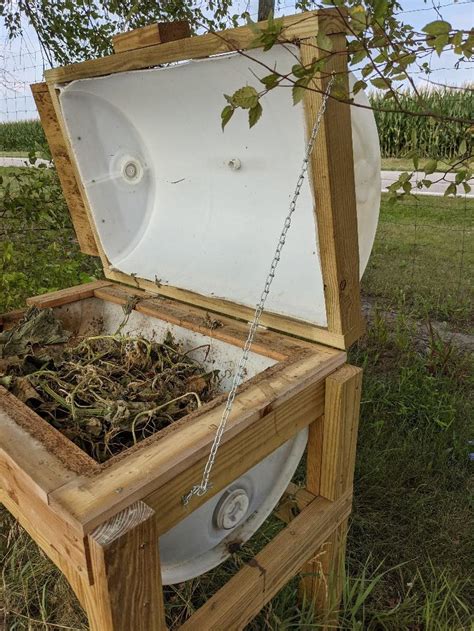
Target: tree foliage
{"points": [[76, 30], [383, 51]]}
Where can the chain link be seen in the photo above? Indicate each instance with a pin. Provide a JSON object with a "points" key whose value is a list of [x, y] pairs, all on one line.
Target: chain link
{"points": [[201, 488]]}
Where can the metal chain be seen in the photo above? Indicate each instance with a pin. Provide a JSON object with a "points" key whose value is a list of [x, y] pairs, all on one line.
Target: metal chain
{"points": [[201, 488]]}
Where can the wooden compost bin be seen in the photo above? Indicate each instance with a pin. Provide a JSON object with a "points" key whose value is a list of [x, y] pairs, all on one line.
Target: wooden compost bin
{"points": [[100, 523]]}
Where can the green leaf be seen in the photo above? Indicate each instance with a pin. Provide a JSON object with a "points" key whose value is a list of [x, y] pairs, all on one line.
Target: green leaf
{"points": [[324, 42], [460, 176], [298, 70], [270, 81], [380, 8], [358, 18], [246, 97], [438, 27], [383, 84], [358, 56], [226, 115], [430, 166], [462, 147], [358, 86], [466, 187], [439, 42], [366, 70], [299, 89], [450, 190], [254, 114]]}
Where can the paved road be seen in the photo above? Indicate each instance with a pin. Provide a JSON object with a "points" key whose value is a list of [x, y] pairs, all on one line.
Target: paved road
{"points": [[388, 177], [20, 162]]}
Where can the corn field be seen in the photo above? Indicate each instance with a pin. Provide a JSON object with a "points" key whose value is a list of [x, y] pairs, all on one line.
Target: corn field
{"points": [[26, 135], [400, 134]]}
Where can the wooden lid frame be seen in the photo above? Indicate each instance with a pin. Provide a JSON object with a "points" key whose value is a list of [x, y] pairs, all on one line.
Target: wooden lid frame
{"points": [[331, 169]]}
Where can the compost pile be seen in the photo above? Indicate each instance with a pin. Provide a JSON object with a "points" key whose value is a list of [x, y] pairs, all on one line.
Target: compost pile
{"points": [[107, 392]]}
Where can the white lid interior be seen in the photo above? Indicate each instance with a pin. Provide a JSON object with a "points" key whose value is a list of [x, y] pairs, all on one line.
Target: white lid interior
{"points": [[167, 200]]}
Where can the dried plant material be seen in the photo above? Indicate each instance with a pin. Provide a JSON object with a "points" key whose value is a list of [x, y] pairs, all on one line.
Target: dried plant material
{"points": [[108, 392], [39, 326]]}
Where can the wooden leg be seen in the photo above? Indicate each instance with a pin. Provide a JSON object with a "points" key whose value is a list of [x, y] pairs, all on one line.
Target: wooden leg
{"points": [[330, 474], [126, 591]]}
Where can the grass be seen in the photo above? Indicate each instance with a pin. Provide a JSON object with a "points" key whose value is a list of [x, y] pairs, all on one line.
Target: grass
{"points": [[410, 545], [423, 260], [20, 154], [406, 164]]}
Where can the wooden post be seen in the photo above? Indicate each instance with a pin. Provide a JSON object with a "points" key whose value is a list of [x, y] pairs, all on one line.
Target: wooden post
{"points": [[126, 591], [330, 473], [265, 7]]}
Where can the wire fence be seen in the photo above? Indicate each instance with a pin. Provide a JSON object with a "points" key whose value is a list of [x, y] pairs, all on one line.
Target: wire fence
{"points": [[423, 257]]}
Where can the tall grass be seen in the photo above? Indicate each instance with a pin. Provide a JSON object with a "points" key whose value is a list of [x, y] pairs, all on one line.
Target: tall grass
{"points": [[24, 135], [400, 133]]}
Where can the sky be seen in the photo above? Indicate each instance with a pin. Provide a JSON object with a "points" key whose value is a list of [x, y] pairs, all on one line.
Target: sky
{"points": [[21, 62]]}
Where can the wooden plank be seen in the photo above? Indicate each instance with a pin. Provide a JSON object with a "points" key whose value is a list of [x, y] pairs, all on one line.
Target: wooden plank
{"points": [[153, 466], [76, 576], [296, 27], [294, 500], [44, 471], [341, 420], [66, 296], [266, 342], [332, 172], [158, 33], [59, 152], [283, 324], [52, 533], [235, 604], [330, 470], [237, 456], [126, 593]]}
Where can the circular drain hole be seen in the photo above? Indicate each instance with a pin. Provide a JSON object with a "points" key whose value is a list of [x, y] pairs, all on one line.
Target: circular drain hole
{"points": [[231, 509], [132, 171]]}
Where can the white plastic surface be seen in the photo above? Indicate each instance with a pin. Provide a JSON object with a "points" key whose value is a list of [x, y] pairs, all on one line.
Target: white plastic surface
{"points": [[196, 544], [206, 209]]}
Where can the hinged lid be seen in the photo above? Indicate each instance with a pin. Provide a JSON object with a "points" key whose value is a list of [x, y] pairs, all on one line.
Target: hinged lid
{"points": [[195, 212]]}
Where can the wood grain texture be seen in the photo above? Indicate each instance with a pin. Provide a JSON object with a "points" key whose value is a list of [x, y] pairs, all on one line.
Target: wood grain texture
{"points": [[126, 592], [266, 342], [235, 604], [124, 521], [341, 421], [54, 136], [66, 296], [294, 500], [28, 453], [332, 173], [322, 577], [330, 471], [296, 27], [283, 324], [55, 536], [158, 33], [75, 575]]}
